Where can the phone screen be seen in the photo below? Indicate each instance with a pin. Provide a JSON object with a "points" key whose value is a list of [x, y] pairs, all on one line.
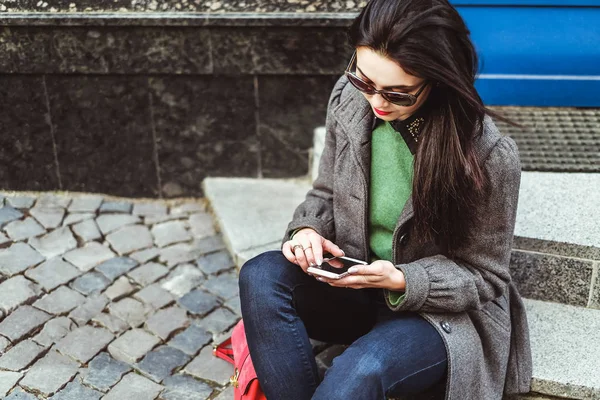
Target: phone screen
{"points": [[339, 265]]}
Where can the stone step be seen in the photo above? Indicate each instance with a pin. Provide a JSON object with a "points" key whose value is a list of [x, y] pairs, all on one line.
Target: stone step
{"points": [[253, 215]]}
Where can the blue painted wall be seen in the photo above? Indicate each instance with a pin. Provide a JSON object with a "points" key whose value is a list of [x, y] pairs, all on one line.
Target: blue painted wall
{"points": [[539, 52]]}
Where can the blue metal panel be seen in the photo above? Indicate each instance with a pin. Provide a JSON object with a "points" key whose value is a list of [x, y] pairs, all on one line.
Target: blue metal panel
{"points": [[544, 56]]}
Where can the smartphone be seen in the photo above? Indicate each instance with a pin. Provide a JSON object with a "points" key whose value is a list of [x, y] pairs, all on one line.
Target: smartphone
{"points": [[335, 267]]}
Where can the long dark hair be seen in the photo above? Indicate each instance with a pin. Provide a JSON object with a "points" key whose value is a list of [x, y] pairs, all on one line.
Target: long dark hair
{"points": [[429, 39]]}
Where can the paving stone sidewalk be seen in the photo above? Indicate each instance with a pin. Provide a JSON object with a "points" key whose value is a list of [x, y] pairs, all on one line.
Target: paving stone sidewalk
{"points": [[105, 298]]}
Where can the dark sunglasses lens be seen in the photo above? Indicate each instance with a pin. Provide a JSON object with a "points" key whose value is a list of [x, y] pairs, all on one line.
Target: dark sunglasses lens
{"points": [[359, 84], [400, 99]]}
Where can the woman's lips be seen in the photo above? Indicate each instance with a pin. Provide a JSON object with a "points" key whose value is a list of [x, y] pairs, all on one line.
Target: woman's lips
{"points": [[381, 112]]}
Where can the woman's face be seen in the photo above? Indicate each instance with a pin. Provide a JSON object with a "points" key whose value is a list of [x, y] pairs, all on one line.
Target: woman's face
{"points": [[383, 73]]}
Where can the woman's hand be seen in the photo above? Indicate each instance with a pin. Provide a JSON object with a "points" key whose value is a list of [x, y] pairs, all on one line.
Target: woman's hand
{"points": [[307, 247], [379, 274]]}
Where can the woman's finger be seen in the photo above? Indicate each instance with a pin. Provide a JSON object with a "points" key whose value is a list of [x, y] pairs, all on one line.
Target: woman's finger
{"points": [[300, 257], [332, 248], [308, 251], [287, 252]]}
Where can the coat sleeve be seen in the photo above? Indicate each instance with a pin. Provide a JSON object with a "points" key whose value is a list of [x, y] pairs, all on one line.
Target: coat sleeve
{"points": [[316, 211], [478, 271]]}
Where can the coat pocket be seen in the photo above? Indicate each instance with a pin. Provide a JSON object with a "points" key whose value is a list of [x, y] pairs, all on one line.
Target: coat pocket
{"points": [[497, 311]]}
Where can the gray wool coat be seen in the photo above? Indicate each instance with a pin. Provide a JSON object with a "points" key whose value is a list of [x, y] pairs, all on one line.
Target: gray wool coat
{"points": [[470, 298]]}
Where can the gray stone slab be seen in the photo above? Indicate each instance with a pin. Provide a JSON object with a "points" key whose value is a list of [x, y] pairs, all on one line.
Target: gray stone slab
{"points": [[166, 321], [20, 394], [218, 321], [541, 212], [9, 214], [183, 387], [553, 278], [130, 238], [53, 273], [17, 258], [77, 217], [50, 218], [215, 262], [87, 230], [54, 243], [134, 387], [88, 310], [161, 362], [4, 239], [22, 321], [148, 209], [231, 209], [132, 345], [187, 208], [243, 256], [157, 219], [21, 355], [116, 207], [148, 273], [116, 267], [16, 291], [170, 232], [208, 367], [104, 372], [8, 380], [210, 244], [191, 340], [594, 301], [556, 248], [226, 394], [92, 282], [202, 225], [84, 343], [145, 255], [180, 253], [199, 302], [110, 322], [90, 255], [4, 344], [25, 229], [85, 204], [111, 222], [50, 373], [154, 296], [234, 305], [76, 391], [566, 357], [60, 301], [129, 310], [224, 285], [20, 201], [54, 330], [51, 200], [119, 289], [183, 279]]}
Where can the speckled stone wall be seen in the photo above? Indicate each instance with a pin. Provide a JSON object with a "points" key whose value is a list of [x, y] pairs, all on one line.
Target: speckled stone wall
{"points": [[148, 104]]}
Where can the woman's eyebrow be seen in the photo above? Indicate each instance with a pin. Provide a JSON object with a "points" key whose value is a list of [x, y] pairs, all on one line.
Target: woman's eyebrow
{"points": [[401, 87]]}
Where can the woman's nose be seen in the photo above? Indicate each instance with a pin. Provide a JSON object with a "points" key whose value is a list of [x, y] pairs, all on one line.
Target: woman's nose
{"points": [[378, 101]]}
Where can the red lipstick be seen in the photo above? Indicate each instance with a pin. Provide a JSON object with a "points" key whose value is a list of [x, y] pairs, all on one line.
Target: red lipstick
{"points": [[382, 113]]}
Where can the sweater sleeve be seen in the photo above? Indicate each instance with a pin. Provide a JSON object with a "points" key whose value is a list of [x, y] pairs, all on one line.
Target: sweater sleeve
{"points": [[316, 211], [395, 298], [478, 271]]}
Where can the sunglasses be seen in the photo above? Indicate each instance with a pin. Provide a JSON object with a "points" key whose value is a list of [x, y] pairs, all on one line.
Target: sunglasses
{"points": [[398, 98]]}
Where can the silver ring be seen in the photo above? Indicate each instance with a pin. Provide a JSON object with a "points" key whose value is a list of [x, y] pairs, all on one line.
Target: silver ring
{"points": [[298, 245]]}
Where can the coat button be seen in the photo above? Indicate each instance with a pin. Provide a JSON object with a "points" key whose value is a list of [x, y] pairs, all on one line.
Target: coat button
{"points": [[446, 326], [404, 238]]}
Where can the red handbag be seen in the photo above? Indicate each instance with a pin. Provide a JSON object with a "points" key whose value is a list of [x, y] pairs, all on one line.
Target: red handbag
{"points": [[235, 351]]}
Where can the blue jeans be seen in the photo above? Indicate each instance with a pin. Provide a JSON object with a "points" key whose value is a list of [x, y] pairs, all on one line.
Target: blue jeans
{"points": [[390, 354]]}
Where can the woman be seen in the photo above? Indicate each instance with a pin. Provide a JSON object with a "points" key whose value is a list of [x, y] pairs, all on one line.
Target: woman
{"points": [[416, 180]]}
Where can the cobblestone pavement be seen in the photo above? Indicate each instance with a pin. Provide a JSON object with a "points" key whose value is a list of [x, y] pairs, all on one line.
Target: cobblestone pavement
{"points": [[118, 299]]}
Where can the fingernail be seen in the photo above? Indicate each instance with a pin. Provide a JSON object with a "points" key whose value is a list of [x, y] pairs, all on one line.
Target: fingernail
{"points": [[320, 279], [352, 270], [319, 261], [343, 252]]}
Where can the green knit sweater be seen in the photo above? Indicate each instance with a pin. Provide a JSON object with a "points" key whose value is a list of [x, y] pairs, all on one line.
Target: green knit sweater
{"points": [[391, 186]]}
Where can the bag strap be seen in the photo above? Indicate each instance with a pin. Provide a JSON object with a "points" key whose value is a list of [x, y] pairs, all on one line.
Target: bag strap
{"points": [[223, 351]]}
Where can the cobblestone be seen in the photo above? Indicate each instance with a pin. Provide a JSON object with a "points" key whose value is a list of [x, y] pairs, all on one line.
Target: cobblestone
{"points": [[224, 285], [234, 305], [18, 258], [21, 355], [161, 362], [20, 230], [8, 380], [53, 273], [76, 391], [183, 387], [104, 372], [84, 343], [132, 345], [60, 301], [166, 321], [134, 387], [21, 322], [87, 257], [209, 367], [128, 289], [50, 373]]}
